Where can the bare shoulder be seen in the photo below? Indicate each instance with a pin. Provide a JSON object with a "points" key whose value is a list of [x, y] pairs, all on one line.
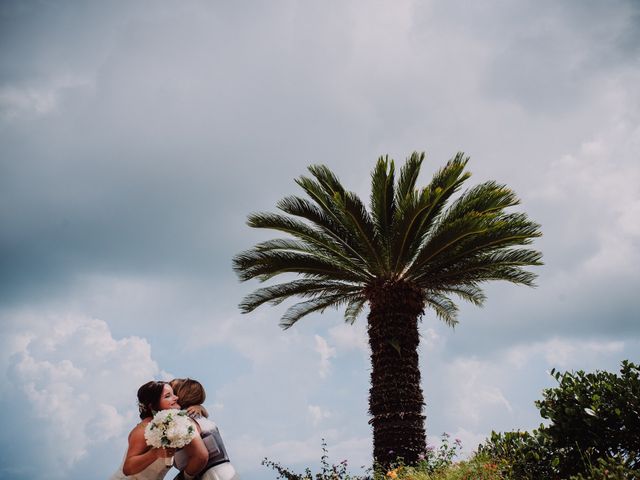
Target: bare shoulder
{"points": [[138, 431]]}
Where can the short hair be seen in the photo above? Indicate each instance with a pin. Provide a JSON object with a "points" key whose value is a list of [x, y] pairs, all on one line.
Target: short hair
{"points": [[149, 398], [190, 392]]}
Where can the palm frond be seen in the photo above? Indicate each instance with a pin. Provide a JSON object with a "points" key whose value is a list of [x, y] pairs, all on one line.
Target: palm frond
{"points": [[301, 207], [408, 178], [276, 294], [472, 235], [264, 265], [358, 220], [414, 219], [503, 265], [383, 204], [333, 203], [469, 292], [484, 198], [346, 209], [299, 310], [315, 239], [345, 246], [445, 309], [327, 179], [354, 308]]}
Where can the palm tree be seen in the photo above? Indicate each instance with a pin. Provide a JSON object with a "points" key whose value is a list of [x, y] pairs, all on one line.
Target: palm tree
{"points": [[412, 250]]}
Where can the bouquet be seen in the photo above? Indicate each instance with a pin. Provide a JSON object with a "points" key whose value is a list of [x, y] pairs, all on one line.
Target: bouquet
{"points": [[169, 428]]}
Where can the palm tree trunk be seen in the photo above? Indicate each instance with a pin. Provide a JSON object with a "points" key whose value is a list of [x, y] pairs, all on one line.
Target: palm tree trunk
{"points": [[395, 397]]}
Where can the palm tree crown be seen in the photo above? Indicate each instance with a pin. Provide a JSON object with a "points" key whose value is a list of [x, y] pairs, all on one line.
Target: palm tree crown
{"points": [[413, 249]]}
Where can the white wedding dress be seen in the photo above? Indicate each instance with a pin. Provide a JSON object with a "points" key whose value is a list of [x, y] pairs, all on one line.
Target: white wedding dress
{"points": [[156, 471]]}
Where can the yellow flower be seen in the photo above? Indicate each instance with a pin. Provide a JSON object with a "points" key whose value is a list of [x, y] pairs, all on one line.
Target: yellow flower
{"points": [[393, 473]]}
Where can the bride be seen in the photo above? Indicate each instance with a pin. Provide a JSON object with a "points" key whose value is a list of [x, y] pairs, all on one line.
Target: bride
{"points": [[142, 462]]}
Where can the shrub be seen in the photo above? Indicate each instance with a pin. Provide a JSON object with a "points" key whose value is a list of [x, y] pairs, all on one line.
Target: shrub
{"points": [[594, 418], [594, 415], [434, 459], [528, 456]]}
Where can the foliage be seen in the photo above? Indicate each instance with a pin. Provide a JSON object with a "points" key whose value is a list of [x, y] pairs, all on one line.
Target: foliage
{"points": [[594, 419], [431, 460], [594, 415], [528, 456], [609, 469], [436, 459]]}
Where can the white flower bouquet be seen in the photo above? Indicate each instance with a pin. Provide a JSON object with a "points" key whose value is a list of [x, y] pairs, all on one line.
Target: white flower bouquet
{"points": [[169, 429]]}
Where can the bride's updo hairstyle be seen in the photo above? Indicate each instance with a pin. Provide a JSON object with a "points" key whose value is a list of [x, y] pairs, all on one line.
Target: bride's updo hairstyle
{"points": [[190, 392], [149, 398]]}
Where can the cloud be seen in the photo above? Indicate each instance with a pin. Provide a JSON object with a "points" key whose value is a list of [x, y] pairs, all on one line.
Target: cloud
{"points": [[561, 353], [598, 186], [76, 385], [326, 354], [296, 455], [37, 100], [496, 391], [470, 440], [474, 397], [318, 414], [258, 338], [350, 337]]}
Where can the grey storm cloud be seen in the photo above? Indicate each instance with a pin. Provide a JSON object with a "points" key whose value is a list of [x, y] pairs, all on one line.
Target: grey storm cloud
{"points": [[136, 139]]}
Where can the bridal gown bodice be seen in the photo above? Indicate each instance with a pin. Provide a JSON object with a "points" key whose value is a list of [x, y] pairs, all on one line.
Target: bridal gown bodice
{"points": [[156, 471]]}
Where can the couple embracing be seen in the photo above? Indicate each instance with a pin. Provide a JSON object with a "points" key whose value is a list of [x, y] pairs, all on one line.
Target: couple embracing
{"points": [[203, 458]]}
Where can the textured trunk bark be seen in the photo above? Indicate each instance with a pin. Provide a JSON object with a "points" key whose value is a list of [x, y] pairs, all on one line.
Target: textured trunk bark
{"points": [[395, 397]]}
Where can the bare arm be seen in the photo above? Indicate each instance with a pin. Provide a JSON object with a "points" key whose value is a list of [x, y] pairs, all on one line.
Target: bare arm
{"points": [[198, 455], [139, 455]]}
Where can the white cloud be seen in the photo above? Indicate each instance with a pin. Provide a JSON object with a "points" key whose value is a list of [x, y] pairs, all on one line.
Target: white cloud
{"points": [[297, 454], [350, 337], [469, 439], [596, 190], [217, 406], [80, 384], [318, 414], [562, 353], [432, 340], [37, 100], [258, 338], [473, 396], [326, 354]]}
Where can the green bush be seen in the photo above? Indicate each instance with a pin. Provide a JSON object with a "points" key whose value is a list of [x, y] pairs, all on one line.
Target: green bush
{"points": [[528, 456], [593, 418]]}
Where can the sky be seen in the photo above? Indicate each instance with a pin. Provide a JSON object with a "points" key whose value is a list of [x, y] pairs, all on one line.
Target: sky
{"points": [[138, 135]]}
